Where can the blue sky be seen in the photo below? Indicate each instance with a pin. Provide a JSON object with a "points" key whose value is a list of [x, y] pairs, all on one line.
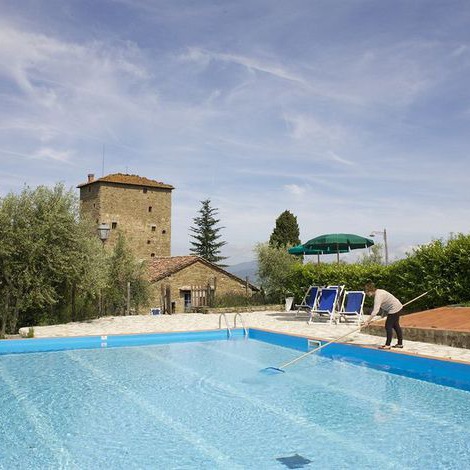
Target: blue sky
{"points": [[354, 115]]}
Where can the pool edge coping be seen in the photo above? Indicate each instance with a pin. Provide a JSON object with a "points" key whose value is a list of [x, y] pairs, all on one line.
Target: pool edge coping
{"points": [[297, 335], [365, 346]]}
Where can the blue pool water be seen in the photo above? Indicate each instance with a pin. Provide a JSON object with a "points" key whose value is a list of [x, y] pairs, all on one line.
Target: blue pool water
{"points": [[206, 405]]}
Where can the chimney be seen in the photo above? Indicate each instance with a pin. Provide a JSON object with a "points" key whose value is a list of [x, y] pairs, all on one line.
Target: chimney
{"points": [[91, 177]]}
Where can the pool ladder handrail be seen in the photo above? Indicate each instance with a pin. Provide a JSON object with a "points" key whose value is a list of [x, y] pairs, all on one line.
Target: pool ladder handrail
{"points": [[222, 315], [238, 314]]}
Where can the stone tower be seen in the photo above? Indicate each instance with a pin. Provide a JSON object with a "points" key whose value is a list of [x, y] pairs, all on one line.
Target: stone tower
{"points": [[139, 208]]}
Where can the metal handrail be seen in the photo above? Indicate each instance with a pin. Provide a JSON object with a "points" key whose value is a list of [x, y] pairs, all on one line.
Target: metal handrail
{"points": [[238, 314], [229, 332]]}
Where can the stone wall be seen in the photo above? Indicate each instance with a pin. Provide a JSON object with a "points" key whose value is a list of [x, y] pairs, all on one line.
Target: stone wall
{"points": [[141, 214], [457, 339], [197, 274]]}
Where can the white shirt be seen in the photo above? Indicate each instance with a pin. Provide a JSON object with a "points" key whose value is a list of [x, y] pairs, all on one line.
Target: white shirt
{"points": [[385, 301]]}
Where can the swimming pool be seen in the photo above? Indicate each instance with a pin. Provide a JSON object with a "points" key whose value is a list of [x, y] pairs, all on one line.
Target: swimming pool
{"points": [[206, 405]]}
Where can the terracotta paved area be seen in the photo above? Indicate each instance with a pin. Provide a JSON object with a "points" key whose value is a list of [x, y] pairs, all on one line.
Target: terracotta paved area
{"points": [[445, 318]]}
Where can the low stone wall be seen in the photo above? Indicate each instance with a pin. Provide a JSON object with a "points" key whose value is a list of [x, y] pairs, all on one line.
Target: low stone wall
{"points": [[457, 339]]}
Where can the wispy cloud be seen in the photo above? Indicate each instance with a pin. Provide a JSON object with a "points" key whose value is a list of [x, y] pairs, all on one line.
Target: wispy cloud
{"points": [[45, 68], [310, 128], [54, 77], [295, 189], [460, 50], [46, 153], [15, 154], [338, 159], [250, 63]]}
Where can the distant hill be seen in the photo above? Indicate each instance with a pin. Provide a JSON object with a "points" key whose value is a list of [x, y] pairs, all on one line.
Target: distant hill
{"points": [[248, 268]]}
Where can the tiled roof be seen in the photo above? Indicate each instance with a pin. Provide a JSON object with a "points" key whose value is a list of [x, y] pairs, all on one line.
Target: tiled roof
{"points": [[122, 178], [161, 267]]}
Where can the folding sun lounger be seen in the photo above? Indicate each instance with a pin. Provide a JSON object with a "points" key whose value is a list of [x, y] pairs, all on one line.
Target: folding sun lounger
{"points": [[339, 299], [353, 304], [309, 302], [326, 304]]}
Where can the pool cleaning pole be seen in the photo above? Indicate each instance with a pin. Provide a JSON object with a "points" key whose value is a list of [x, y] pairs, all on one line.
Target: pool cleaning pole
{"points": [[281, 367]]}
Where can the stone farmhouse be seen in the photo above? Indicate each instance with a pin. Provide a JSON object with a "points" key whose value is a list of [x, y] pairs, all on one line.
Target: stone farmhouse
{"points": [[187, 283], [140, 209]]}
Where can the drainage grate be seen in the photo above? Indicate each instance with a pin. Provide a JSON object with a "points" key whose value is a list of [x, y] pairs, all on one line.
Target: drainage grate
{"points": [[294, 461]]}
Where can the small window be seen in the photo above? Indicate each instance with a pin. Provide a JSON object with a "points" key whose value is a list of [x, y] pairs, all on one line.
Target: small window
{"points": [[94, 205], [152, 255], [163, 231], [97, 220], [148, 242], [114, 225], [150, 208], [154, 227], [145, 190]]}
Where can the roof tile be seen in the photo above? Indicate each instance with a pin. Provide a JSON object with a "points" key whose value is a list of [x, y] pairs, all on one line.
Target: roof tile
{"points": [[122, 178], [160, 267]]}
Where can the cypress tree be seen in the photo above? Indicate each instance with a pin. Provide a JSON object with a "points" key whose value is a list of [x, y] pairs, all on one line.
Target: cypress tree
{"points": [[286, 232], [206, 234]]}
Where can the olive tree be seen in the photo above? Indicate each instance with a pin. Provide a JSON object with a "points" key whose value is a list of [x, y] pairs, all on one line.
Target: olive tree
{"points": [[47, 257], [275, 266]]}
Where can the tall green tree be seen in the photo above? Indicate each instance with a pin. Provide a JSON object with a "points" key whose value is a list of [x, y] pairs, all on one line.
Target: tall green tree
{"points": [[46, 254], [206, 235], [286, 232], [125, 272]]}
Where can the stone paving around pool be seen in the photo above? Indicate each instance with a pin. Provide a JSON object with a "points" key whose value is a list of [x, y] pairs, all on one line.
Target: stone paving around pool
{"points": [[281, 322]]}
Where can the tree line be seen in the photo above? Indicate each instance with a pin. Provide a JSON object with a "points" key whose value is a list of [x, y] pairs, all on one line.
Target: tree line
{"points": [[54, 269]]}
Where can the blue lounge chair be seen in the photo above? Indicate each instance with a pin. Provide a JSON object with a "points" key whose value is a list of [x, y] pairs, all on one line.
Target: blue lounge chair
{"points": [[353, 305], [309, 302], [326, 304], [339, 299]]}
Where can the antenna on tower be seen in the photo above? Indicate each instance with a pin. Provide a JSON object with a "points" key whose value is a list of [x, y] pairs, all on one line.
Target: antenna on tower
{"points": [[102, 163]]}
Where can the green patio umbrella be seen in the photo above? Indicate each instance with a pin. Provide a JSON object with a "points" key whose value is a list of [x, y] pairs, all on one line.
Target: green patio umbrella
{"points": [[300, 250], [338, 243]]}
